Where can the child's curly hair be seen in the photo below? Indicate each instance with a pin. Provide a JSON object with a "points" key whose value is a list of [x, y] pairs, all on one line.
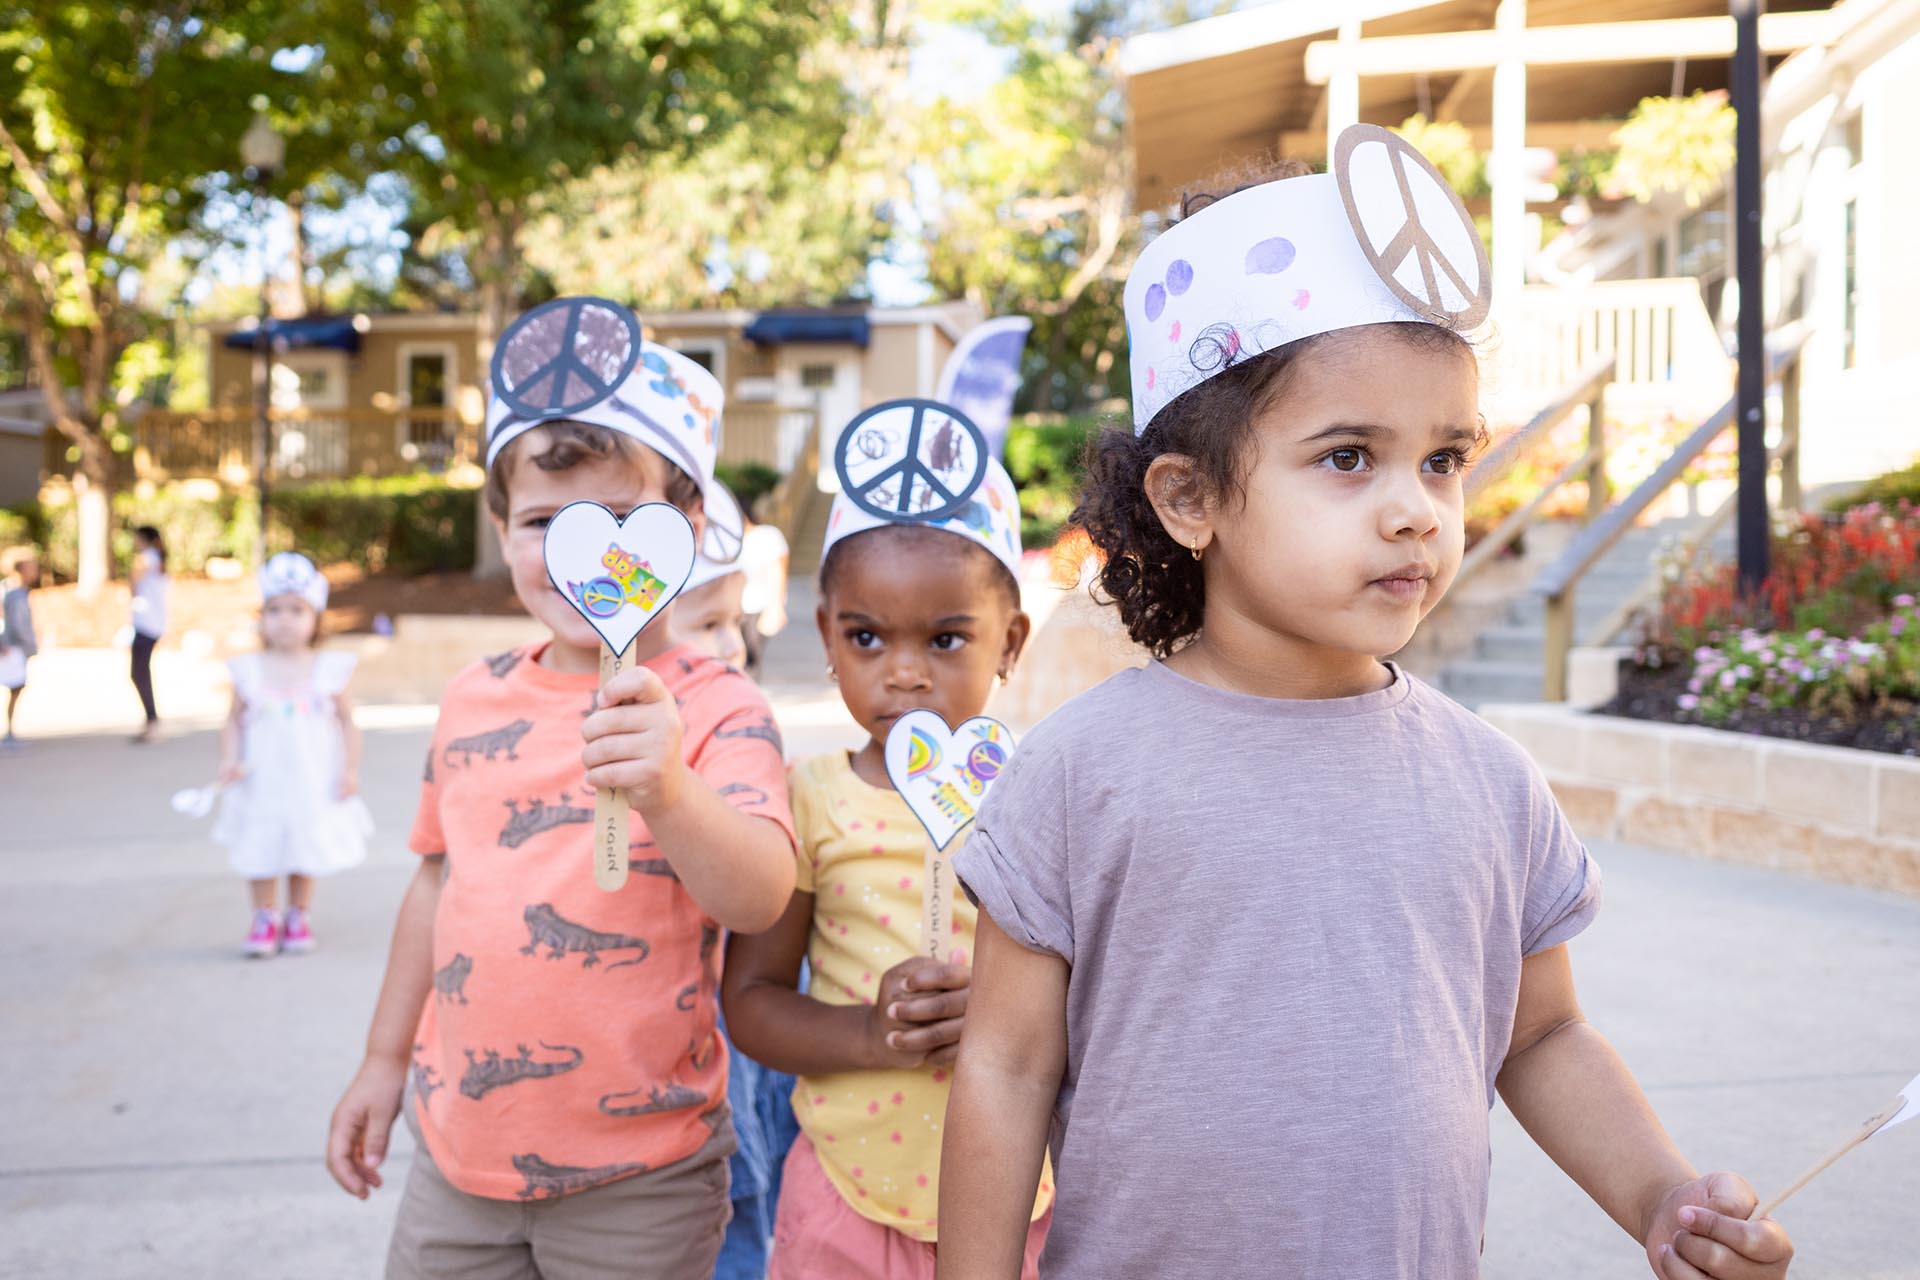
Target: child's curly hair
{"points": [[1156, 583]]}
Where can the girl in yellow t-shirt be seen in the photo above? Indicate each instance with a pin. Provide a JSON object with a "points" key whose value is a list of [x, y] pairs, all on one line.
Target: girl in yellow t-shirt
{"points": [[914, 614]]}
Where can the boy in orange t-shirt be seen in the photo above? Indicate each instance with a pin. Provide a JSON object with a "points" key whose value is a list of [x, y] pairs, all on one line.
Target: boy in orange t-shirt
{"points": [[568, 1085]]}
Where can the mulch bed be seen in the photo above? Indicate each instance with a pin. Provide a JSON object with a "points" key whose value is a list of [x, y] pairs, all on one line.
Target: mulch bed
{"points": [[1652, 693]]}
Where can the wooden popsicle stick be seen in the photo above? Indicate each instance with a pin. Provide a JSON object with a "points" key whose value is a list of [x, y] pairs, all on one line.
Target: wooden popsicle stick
{"points": [[609, 806], [1873, 1124], [937, 888]]}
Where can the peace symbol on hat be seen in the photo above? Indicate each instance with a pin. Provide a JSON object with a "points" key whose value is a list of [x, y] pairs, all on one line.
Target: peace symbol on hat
{"points": [[1417, 217], [911, 459], [565, 356]]}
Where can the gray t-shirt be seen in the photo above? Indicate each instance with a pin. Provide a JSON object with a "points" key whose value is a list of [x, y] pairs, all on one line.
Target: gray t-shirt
{"points": [[1295, 932]]}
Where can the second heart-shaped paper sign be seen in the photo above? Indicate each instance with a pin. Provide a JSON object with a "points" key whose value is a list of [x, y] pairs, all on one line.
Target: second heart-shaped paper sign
{"points": [[619, 574], [943, 774]]}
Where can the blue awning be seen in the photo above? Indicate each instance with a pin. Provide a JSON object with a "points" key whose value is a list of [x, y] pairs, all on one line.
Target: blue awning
{"points": [[335, 333], [771, 328]]}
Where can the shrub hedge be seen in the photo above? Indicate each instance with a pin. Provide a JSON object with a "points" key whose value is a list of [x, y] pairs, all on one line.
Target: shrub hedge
{"points": [[406, 524]]}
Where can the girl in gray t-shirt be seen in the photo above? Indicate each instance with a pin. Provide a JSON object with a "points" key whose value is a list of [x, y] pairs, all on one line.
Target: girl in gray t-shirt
{"points": [[1265, 925]]}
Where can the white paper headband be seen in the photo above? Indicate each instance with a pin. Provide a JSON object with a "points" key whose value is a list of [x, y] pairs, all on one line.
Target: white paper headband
{"points": [[1382, 238], [291, 574]]}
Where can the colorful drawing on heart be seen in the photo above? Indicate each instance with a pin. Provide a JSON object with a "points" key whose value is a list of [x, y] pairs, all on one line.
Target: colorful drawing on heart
{"points": [[985, 760], [947, 798], [628, 580], [945, 773], [923, 755]]}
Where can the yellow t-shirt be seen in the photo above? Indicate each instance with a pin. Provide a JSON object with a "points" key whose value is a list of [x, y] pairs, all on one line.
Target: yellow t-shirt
{"points": [[861, 855]]}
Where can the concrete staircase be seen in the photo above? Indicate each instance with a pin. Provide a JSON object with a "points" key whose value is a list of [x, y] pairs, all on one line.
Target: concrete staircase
{"points": [[1503, 659]]}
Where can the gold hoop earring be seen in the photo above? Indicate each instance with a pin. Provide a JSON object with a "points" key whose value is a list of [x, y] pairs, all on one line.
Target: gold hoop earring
{"points": [[832, 674], [1195, 548]]}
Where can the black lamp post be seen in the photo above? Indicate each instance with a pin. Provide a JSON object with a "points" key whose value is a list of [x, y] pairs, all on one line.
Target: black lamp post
{"points": [[262, 151], [1750, 419]]}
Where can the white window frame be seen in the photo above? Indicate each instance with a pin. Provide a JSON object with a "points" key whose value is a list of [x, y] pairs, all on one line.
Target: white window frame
{"points": [[403, 385], [333, 363], [714, 348]]}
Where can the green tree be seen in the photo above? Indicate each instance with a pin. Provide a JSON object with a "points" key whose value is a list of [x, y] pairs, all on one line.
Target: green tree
{"points": [[492, 106], [1033, 207], [784, 204], [112, 119]]}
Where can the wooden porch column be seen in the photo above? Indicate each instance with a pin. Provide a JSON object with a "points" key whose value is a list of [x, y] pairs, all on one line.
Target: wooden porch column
{"points": [[1509, 141], [1343, 88]]}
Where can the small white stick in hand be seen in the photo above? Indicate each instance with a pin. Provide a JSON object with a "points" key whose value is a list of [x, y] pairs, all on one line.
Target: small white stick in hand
{"points": [[1899, 1111]]}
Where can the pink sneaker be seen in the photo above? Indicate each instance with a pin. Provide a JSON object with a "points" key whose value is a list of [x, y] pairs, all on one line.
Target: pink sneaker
{"points": [[295, 936], [264, 938]]}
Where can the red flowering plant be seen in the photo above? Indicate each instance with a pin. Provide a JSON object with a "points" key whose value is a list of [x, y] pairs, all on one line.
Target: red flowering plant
{"points": [[1834, 628]]}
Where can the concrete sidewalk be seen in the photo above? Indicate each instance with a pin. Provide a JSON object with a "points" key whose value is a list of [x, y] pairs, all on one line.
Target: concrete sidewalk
{"points": [[167, 1101]]}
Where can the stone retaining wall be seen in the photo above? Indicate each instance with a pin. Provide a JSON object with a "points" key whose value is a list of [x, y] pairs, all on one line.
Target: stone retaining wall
{"points": [[1844, 815]]}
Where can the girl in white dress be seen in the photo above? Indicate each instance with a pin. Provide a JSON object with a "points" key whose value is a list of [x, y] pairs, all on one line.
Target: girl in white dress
{"points": [[290, 760]]}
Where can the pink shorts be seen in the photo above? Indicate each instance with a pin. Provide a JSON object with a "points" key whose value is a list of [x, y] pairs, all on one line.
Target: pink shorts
{"points": [[817, 1235]]}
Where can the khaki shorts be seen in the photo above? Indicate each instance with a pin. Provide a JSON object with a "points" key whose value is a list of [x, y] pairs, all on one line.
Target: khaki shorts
{"points": [[666, 1224]]}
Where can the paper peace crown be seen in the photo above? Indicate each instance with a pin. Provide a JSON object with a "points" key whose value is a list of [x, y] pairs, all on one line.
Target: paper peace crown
{"points": [[1382, 238], [291, 574], [923, 462], [583, 359]]}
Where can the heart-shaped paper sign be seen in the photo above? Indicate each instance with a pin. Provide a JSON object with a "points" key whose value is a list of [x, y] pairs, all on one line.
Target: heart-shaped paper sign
{"points": [[620, 574], [944, 774]]}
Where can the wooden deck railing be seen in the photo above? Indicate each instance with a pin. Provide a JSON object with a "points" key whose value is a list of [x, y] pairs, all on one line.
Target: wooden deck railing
{"points": [[305, 443], [1655, 333], [311, 444], [770, 435]]}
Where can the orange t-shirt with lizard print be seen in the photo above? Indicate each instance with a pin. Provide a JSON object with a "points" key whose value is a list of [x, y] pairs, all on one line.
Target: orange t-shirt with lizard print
{"points": [[569, 1039]]}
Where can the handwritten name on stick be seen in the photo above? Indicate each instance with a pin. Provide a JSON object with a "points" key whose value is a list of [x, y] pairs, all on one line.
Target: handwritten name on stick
{"points": [[1902, 1109], [620, 575], [943, 774]]}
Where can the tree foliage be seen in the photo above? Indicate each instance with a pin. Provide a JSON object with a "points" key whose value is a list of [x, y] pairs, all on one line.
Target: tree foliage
{"points": [[491, 106], [114, 121]]}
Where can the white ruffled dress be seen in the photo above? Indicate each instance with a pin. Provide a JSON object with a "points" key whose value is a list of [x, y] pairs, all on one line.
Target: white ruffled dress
{"points": [[284, 817]]}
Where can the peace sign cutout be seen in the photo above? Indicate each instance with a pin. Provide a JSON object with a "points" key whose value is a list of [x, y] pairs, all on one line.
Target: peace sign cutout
{"points": [[565, 356], [911, 459], [1416, 234], [725, 526]]}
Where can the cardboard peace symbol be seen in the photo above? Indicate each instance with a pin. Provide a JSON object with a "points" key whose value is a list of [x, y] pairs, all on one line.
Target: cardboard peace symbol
{"points": [[726, 529], [911, 460], [619, 574], [1412, 227], [565, 356], [943, 774]]}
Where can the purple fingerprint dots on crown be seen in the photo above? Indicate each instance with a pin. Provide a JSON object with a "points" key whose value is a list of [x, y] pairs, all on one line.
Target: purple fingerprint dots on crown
{"points": [[1178, 280], [1156, 301], [1270, 257]]}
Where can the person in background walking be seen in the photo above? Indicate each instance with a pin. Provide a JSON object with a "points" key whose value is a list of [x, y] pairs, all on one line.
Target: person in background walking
{"points": [[17, 642], [149, 618]]}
